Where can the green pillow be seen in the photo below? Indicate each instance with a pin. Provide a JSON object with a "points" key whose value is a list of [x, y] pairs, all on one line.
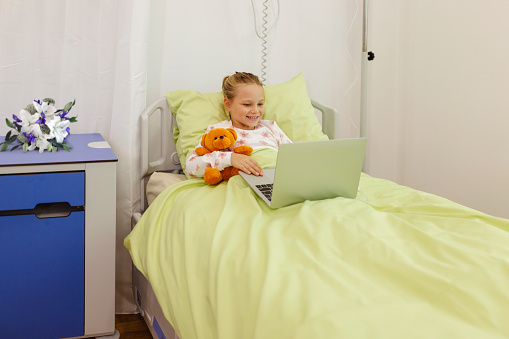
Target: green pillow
{"points": [[288, 104]]}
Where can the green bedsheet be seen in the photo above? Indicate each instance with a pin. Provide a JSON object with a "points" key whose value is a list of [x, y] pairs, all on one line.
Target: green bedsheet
{"points": [[393, 263]]}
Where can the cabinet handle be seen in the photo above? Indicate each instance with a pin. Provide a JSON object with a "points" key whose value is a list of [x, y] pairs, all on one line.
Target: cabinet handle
{"points": [[53, 210], [47, 210]]}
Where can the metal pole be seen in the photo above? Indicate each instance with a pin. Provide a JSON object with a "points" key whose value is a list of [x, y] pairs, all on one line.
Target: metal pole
{"points": [[364, 26], [364, 83], [364, 62]]}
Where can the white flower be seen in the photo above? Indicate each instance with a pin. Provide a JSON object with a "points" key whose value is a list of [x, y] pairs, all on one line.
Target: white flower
{"points": [[58, 128], [29, 123], [27, 120], [36, 129], [32, 146], [45, 107], [41, 143]]}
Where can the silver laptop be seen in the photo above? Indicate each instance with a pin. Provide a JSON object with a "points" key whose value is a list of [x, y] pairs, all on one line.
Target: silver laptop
{"points": [[312, 170]]}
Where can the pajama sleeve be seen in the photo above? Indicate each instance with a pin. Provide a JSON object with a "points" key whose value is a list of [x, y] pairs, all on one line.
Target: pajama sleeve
{"points": [[281, 137], [196, 165]]}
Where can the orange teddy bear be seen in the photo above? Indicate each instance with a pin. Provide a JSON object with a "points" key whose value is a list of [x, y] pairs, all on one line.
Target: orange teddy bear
{"points": [[220, 139]]}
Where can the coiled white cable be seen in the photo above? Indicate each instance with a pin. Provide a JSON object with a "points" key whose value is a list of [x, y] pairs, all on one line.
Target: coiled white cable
{"points": [[264, 32]]}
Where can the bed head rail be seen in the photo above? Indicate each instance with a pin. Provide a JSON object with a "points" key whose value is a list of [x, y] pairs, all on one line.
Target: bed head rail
{"points": [[158, 140], [148, 166], [157, 124], [329, 119]]}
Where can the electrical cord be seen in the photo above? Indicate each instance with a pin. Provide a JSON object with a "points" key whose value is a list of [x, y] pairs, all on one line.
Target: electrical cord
{"points": [[264, 32]]}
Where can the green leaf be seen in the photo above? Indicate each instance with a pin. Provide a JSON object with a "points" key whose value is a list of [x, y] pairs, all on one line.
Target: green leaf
{"points": [[12, 149], [68, 106], [4, 147], [9, 123], [8, 135], [7, 142], [54, 149], [73, 119], [67, 148], [25, 147], [31, 109]]}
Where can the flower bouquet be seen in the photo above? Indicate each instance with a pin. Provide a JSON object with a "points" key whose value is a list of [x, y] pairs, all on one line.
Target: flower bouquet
{"points": [[40, 125]]}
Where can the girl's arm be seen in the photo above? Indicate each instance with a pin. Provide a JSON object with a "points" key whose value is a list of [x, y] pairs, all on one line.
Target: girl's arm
{"points": [[246, 164], [196, 165]]}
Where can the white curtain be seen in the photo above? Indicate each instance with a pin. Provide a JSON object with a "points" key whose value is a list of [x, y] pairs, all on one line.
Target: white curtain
{"points": [[93, 51], [114, 56]]}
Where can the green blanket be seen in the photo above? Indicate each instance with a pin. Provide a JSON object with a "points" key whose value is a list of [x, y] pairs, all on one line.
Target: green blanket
{"points": [[393, 263]]}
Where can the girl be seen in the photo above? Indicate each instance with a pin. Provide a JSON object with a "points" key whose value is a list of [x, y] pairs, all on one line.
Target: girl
{"points": [[244, 99]]}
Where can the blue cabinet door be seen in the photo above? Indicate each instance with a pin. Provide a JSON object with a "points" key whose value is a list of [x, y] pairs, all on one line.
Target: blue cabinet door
{"points": [[42, 276], [25, 191]]}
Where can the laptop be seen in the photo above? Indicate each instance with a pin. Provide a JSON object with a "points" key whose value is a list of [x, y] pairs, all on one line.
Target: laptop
{"points": [[312, 170]]}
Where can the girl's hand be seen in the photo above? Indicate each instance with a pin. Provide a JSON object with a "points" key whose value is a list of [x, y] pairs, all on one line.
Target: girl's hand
{"points": [[246, 164]]}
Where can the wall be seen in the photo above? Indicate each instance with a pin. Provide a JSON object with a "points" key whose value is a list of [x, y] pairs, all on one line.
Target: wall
{"points": [[195, 44], [438, 99]]}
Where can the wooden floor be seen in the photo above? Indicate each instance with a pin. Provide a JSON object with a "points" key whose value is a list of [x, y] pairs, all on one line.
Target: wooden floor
{"points": [[132, 326]]}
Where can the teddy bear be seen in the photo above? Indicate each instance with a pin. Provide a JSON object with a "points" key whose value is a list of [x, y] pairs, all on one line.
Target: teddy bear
{"points": [[220, 139]]}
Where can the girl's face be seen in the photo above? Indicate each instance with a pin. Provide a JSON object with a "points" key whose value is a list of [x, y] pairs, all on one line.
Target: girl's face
{"points": [[247, 107]]}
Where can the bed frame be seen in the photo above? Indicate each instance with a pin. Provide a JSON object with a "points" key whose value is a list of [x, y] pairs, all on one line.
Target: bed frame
{"points": [[160, 142]]}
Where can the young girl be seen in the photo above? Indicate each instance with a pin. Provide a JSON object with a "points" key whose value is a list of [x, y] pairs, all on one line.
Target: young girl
{"points": [[244, 99]]}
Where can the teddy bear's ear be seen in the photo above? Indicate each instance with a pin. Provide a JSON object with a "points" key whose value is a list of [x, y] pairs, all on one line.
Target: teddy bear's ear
{"points": [[232, 131], [203, 139]]}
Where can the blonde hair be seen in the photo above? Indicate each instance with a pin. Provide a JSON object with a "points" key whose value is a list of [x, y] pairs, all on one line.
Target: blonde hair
{"points": [[231, 82]]}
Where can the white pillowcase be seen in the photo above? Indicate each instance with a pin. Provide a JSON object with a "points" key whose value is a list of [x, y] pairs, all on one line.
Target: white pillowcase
{"points": [[159, 181]]}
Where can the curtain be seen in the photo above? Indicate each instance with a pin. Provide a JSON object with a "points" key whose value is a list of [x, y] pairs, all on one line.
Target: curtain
{"points": [[94, 52]]}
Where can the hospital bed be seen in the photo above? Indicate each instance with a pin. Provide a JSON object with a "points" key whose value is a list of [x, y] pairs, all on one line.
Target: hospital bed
{"points": [[216, 262]]}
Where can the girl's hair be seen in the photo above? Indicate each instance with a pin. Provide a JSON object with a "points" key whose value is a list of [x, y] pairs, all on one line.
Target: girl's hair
{"points": [[231, 82]]}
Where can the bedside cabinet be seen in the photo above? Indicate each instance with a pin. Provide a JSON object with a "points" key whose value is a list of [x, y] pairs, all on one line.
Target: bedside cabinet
{"points": [[57, 241]]}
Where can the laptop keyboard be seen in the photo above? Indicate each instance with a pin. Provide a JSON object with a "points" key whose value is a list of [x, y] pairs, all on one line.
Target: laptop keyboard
{"points": [[266, 190]]}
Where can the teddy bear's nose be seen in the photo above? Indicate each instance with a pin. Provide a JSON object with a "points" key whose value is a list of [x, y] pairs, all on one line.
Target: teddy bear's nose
{"points": [[221, 137]]}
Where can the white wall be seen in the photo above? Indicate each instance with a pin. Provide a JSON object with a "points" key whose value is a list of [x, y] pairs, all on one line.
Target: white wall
{"points": [[198, 42], [438, 99]]}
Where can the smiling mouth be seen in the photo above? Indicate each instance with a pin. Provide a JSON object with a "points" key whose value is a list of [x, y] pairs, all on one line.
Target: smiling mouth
{"points": [[252, 118]]}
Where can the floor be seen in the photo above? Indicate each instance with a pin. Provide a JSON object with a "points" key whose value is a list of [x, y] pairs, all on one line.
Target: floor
{"points": [[132, 326]]}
